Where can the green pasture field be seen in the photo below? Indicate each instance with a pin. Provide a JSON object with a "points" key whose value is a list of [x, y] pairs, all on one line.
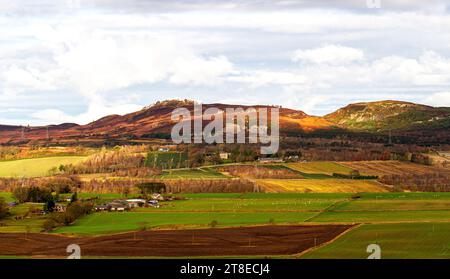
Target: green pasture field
{"points": [[392, 205], [108, 196], [228, 209], [31, 224], [397, 241], [104, 223], [213, 195], [100, 198], [241, 205], [275, 196], [240, 209], [35, 167], [7, 196], [167, 160], [382, 216], [306, 196], [258, 208], [407, 196]]}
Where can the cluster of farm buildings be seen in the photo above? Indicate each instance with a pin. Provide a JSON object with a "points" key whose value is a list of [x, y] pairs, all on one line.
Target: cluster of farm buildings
{"points": [[127, 204], [121, 204]]}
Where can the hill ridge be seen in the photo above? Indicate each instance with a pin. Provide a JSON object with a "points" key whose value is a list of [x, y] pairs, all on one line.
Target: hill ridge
{"points": [[154, 121]]}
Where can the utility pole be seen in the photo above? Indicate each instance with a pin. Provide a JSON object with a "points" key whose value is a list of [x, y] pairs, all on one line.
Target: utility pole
{"points": [[188, 166], [48, 135]]}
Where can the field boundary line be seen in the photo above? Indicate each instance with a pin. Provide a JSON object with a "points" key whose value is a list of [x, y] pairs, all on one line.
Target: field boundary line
{"points": [[343, 165], [326, 209], [326, 243], [390, 187], [222, 211], [185, 227]]}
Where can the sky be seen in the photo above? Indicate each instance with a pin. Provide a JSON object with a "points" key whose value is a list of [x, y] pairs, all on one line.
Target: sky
{"points": [[77, 61]]}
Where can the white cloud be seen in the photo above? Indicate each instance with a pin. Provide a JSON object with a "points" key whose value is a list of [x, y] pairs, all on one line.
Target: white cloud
{"points": [[304, 98], [91, 60], [428, 69], [308, 21], [75, 58], [200, 71], [120, 61], [54, 116], [259, 78], [153, 6], [95, 111], [439, 99], [331, 54], [312, 86]]}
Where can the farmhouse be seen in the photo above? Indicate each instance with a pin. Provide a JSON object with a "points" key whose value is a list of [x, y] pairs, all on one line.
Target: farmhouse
{"points": [[102, 207], [292, 158], [132, 203], [224, 155], [60, 207], [119, 205]]}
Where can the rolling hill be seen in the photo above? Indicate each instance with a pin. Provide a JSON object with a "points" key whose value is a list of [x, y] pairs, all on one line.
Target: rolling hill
{"points": [[151, 122], [154, 122], [390, 115]]}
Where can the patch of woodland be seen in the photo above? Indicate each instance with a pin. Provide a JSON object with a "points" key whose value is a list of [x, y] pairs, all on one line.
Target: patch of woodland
{"points": [[260, 172], [431, 182]]}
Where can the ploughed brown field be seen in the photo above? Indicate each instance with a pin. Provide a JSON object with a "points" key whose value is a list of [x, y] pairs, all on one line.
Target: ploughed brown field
{"points": [[260, 240]]}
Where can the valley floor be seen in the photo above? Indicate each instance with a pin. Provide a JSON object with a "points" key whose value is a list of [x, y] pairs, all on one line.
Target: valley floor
{"points": [[304, 210], [291, 225]]}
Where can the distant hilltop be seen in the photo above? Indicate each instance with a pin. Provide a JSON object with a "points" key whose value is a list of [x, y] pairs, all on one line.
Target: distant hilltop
{"points": [[154, 121]]}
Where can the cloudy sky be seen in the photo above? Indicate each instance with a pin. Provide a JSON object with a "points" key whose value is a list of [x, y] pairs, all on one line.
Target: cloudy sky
{"points": [[75, 60]]}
